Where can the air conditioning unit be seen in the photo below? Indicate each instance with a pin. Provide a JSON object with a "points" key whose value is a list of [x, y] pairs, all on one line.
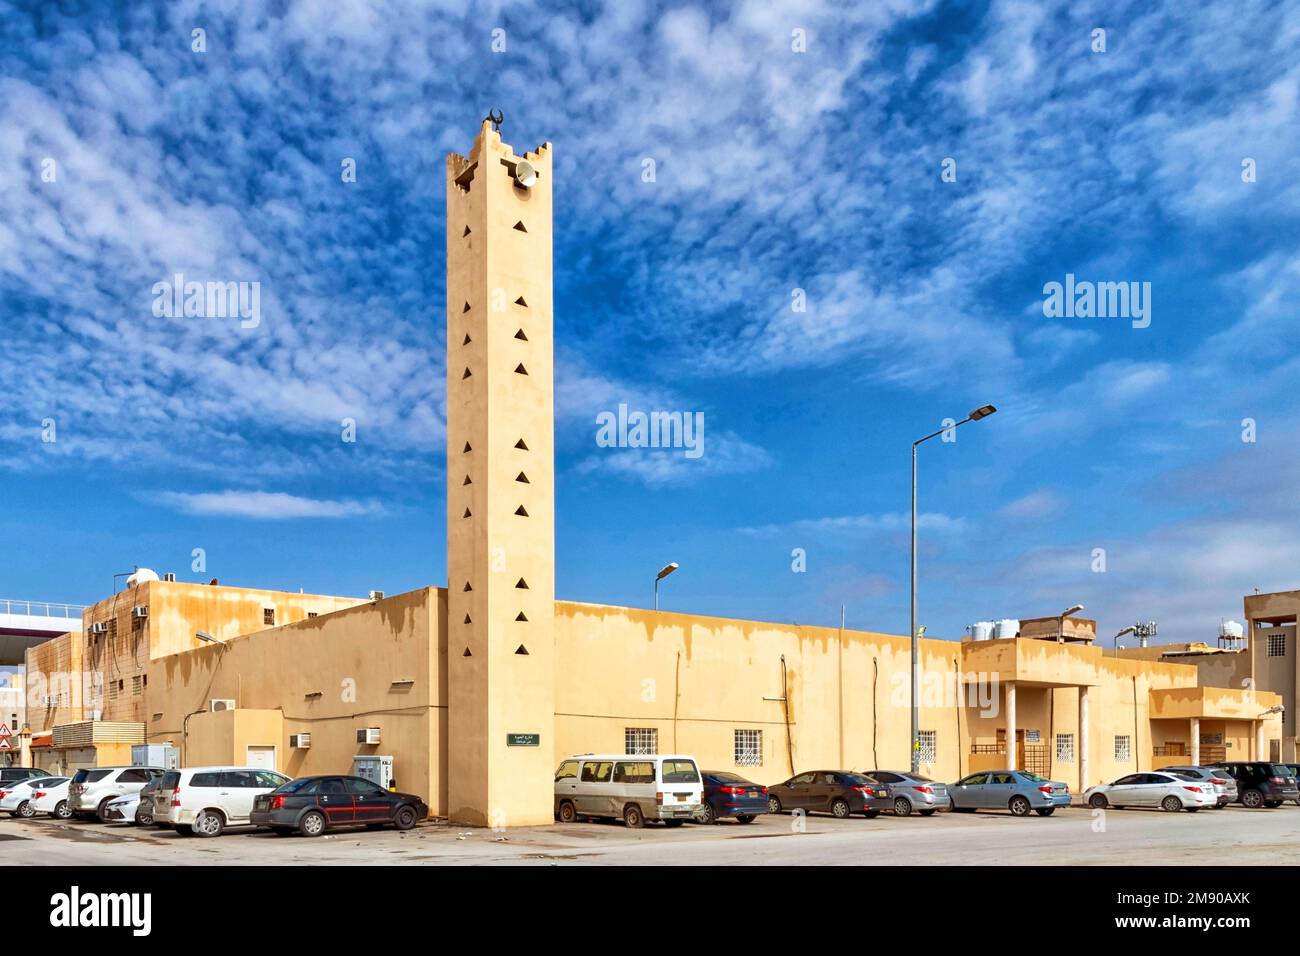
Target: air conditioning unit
{"points": [[300, 741], [99, 627], [376, 595], [140, 611], [367, 735], [218, 704]]}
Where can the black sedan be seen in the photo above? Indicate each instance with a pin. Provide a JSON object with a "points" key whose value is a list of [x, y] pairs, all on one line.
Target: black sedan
{"points": [[312, 805], [838, 792], [730, 795]]}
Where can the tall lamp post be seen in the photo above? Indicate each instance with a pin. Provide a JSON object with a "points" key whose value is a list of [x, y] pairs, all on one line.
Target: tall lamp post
{"points": [[666, 570], [984, 411]]}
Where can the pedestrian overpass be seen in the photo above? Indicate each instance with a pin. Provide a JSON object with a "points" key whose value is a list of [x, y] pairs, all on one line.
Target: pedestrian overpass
{"points": [[25, 624]]}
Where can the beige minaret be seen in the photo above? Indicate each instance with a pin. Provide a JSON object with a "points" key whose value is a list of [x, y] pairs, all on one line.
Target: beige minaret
{"points": [[500, 486]]}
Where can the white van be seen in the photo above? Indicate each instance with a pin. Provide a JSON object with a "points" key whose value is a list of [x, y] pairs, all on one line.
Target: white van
{"points": [[636, 787], [206, 800]]}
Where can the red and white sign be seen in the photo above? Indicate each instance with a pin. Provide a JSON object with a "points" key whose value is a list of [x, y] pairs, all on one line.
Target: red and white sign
{"points": [[4, 731], [4, 744]]}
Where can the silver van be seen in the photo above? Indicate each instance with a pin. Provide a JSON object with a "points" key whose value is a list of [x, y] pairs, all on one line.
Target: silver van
{"points": [[635, 787]]}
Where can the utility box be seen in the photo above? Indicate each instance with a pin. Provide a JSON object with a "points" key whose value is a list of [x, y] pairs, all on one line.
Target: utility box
{"points": [[165, 756], [377, 769]]}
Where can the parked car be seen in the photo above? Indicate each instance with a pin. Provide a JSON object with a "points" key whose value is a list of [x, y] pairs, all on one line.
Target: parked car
{"points": [[206, 800], [1295, 772], [1260, 783], [147, 807], [635, 787], [16, 796], [727, 794], [93, 789], [1168, 791], [1225, 785], [14, 774], [121, 809], [910, 791], [52, 798], [1016, 790], [840, 793], [313, 805]]}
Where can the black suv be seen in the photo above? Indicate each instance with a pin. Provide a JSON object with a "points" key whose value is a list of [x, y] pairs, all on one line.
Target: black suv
{"points": [[1262, 784]]}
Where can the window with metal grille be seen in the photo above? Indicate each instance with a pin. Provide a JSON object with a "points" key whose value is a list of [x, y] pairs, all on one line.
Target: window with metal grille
{"points": [[268, 615], [640, 740], [1277, 645], [1122, 748], [137, 685], [749, 748], [929, 746], [1065, 748]]}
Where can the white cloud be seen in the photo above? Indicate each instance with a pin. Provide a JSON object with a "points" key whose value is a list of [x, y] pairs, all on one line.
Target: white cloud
{"points": [[266, 506]]}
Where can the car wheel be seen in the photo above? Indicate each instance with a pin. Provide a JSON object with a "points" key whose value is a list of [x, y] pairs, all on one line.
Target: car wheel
{"points": [[144, 820], [1252, 799], [871, 814], [633, 817], [1171, 804], [840, 808], [312, 824], [1098, 801], [61, 811], [708, 816], [405, 818], [102, 810], [744, 818], [25, 810], [902, 807], [1045, 811], [774, 805], [1019, 806], [568, 812], [209, 823]]}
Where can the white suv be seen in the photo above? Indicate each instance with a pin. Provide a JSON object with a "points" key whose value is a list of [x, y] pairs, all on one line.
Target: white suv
{"points": [[206, 800], [94, 788]]}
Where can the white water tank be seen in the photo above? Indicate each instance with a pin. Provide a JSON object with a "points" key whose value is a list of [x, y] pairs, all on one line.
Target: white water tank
{"points": [[1006, 628], [981, 630], [1231, 629], [141, 576]]}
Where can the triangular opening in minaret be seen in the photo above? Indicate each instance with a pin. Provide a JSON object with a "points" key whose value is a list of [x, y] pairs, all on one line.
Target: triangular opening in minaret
{"points": [[523, 479], [520, 301], [521, 650], [467, 448], [465, 233], [467, 514], [521, 511], [521, 616], [466, 309], [467, 339], [467, 620], [467, 374], [521, 444], [467, 481], [468, 587], [520, 227], [518, 368], [467, 653], [522, 584], [520, 336]]}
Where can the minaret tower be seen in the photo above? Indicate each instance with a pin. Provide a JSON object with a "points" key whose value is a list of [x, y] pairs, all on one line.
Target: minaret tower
{"points": [[500, 485]]}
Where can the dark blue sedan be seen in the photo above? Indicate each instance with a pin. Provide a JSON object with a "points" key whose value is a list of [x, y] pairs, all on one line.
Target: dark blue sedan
{"points": [[730, 795]]}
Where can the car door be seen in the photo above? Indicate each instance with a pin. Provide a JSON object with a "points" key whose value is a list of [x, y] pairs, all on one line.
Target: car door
{"points": [[1123, 792], [336, 800], [820, 790], [235, 792], [969, 791], [796, 792], [593, 791], [999, 790], [372, 803]]}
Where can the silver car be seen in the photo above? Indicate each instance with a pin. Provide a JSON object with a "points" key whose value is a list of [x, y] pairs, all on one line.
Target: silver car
{"points": [[1014, 790], [1163, 789], [911, 791], [1224, 783]]}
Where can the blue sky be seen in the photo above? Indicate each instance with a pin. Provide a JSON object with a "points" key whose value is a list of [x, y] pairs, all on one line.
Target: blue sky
{"points": [[775, 171]]}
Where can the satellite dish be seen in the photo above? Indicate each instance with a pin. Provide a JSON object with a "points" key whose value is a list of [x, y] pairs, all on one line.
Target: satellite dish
{"points": [[525, 174]]}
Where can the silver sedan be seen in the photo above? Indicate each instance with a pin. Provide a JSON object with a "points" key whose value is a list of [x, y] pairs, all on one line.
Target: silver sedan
{"points": [[1163, 789], [1224, 783], [1014, 790]]}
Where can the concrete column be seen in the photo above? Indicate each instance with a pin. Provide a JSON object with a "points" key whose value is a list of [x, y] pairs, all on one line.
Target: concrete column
{"points": [[1083, 739], [1011, 725], [1259, 741], [1196, 741]]}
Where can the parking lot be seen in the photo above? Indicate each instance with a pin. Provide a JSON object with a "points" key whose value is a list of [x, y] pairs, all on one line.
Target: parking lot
{"points": [[1234, 837]]}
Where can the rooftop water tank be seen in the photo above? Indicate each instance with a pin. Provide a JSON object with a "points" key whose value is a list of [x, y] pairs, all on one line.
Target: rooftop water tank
{"points": [[141, 576], [981, 630], [1006, 628], [1231, 629]]}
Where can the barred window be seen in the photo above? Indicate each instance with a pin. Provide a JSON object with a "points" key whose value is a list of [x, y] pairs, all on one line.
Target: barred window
{"points": [[137, 685], [1065, 748], [928, 746], [749, 748], [268, 615], [1277, 645], [640, 740], [1122, 749]]}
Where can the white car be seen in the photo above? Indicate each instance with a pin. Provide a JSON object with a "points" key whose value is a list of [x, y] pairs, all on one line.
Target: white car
{"points": [[121, 810], [53, 799], [16, 797], [206, 800], [94, 788], [1168, 791]]}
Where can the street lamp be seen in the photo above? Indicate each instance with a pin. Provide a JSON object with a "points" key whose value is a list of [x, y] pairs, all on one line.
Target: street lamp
{"points": [[1131, 629], [666, 570], [1060, 621], [205, 636], [984, 411]]}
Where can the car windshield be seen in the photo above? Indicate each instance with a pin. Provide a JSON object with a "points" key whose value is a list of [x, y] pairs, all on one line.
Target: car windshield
{"points": [[1185, 774], [293, 786], [680, 771], [169, 780], [1033, 776], [723, 777], [1282, 770], [917, 776], [856, 780]]}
